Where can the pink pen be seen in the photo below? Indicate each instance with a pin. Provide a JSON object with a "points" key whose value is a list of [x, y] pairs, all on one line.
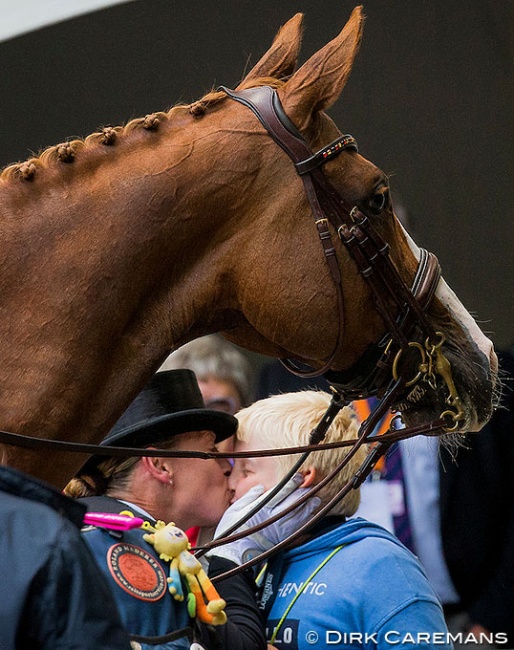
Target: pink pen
{"points": [[112, 521]]}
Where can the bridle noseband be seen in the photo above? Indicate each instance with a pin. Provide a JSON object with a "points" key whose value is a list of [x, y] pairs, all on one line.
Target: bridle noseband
{"points": [[380, 365]]}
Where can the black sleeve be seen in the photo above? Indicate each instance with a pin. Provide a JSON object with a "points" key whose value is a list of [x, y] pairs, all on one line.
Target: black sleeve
{"points": [[477, 513], [244, 629]]}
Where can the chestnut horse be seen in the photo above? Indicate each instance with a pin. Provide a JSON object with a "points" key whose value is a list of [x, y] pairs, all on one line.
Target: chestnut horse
{"points": [[121, 247]]}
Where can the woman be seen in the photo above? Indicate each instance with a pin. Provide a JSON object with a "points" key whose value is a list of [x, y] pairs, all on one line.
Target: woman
{"points": [[348, 583], [168, 414]]}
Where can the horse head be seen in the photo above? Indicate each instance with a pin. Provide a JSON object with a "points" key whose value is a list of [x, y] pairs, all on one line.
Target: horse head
{"points": [[280, 261], [121, 247]]}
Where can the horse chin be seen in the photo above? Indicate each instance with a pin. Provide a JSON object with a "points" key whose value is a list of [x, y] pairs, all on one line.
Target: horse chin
{"points": [[422, 405]]}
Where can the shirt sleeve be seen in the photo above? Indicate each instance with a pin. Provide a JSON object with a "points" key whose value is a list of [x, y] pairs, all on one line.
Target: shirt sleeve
{"points": [[244, 629]]}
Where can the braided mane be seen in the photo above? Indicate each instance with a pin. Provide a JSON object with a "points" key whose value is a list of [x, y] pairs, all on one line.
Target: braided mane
{"points": [[67, 152]]}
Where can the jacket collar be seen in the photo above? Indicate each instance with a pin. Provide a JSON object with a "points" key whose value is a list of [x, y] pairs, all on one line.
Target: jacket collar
{"points": [[24, 486]]}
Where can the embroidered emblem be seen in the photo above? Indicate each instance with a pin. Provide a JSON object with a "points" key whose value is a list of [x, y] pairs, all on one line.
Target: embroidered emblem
{"points": [[136, 572]]}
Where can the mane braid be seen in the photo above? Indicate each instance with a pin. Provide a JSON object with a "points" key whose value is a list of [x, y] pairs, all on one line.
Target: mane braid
{"points": [[66, 152]]}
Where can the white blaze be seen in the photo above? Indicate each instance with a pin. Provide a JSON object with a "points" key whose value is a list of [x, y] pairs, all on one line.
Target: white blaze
{"points": [[456, 308]]}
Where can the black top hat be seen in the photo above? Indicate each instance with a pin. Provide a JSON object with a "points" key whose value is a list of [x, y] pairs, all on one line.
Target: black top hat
{"points": [[171, 403]]}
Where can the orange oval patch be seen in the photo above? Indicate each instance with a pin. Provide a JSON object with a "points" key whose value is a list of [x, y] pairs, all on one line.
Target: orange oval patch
{"points": [[136, 572]]}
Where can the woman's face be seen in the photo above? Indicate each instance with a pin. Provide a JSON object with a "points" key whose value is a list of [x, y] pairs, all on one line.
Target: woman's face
{"points": [[248, 472], [200, 490]]}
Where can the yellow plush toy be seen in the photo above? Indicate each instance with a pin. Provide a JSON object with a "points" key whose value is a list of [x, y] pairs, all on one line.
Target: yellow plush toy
{"points": [[173, 546]]}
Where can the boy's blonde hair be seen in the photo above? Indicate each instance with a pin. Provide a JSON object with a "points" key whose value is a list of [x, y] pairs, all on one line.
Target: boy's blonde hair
{"points": [[287, 420]]}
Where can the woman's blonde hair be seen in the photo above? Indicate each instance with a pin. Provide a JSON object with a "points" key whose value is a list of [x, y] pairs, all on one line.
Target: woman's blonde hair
{"points": [[108, 476], [287, 420]]}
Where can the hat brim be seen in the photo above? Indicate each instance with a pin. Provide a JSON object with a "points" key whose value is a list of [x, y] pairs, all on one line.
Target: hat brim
{"points": [[164, 427]]}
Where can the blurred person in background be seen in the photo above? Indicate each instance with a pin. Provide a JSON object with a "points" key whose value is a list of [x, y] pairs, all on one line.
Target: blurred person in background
{"points": [[224, 374]]}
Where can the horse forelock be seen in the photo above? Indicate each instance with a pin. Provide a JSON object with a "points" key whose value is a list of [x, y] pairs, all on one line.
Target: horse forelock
{"points": [[68, 151]]}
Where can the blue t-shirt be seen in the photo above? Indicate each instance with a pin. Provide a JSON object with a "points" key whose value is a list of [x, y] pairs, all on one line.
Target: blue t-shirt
{"points": [[372, 593]]}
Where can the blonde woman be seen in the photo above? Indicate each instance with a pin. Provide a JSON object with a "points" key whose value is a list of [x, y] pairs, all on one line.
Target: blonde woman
{"points": [[168, 414]]}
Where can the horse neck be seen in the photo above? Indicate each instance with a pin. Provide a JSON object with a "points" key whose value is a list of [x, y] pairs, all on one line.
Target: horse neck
{"points": [[114, 277], [132, 218]]}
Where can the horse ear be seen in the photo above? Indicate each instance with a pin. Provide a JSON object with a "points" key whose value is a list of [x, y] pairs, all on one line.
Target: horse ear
{"points": [[319, 82], [280, 60]]}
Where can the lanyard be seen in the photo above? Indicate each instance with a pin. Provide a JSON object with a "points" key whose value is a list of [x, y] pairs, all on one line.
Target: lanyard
{"points": [[300, 592], [363, 409]]}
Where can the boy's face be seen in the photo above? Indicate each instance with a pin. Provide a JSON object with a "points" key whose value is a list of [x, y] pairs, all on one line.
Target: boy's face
{"points": [[248, 472]]}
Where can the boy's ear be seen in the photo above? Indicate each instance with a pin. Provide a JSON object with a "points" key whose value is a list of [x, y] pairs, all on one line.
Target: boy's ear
{"points": [[309, 474]]}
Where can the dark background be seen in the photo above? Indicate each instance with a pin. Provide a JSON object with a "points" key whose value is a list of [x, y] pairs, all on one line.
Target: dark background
{"points": [[430, 100]]}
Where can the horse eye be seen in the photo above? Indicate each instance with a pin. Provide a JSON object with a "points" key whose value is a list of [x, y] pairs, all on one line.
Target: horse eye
{"points": [[379, 201]]}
